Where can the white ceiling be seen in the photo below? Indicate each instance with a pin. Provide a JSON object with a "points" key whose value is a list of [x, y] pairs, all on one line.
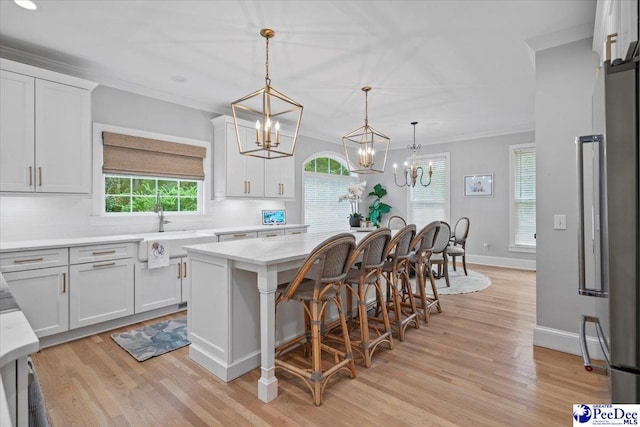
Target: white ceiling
{"points": [[462, 69]]}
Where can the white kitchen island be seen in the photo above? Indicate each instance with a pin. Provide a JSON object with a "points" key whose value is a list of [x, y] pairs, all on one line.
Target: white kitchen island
{"points": [[231, 316]]}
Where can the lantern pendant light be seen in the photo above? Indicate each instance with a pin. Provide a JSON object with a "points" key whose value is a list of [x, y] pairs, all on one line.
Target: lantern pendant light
{"points": [[366, 148], [276, 116]]}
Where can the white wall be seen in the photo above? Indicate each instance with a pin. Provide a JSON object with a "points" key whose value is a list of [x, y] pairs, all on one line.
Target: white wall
{"points": [[564, 88], [489, 216]]}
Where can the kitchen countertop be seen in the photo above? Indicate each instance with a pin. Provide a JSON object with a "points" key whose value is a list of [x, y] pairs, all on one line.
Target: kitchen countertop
{"points": [[229, 230], [26, 245]]}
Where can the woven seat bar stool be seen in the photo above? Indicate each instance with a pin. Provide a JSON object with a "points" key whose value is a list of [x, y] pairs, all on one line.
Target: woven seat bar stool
{"points": [[418, 262], [395, 270], [317, 283], [368, 259]]}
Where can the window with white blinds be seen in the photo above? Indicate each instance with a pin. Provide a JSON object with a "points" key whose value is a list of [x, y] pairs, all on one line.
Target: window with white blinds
{"points": [[325, 180], [523, 196], [427, 204]]}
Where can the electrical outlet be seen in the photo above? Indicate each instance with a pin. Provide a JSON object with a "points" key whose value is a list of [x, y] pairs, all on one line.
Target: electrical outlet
{"points": [[485, 246]]}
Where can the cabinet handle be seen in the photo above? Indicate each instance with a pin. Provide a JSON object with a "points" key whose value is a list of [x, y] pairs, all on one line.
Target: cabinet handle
{"points": [[270, 235], [249, 187], [179, 270], [240, 235], [104, 252], [245, 187], [185, 270], [64, 283], [22, 261], [296, 232], [30, 176], [108, 264], [39, 176]]}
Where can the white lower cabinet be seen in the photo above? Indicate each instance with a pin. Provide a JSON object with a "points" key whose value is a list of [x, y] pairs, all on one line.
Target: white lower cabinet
{"points": [[43, 296], [100, 291], [237, 236], [158, 287]]}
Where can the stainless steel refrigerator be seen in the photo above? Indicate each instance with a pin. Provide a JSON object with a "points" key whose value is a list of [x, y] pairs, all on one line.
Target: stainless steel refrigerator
{"points": [[609, 235]]}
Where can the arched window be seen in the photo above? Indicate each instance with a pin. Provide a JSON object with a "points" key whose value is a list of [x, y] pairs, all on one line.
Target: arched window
{"points": [[326, 178]]}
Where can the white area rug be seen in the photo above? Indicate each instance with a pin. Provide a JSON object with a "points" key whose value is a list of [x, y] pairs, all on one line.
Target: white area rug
{"points": [[461, 284]]}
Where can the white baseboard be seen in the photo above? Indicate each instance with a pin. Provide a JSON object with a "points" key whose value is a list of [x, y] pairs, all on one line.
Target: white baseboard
{"points": [[567, 342], [522, 264]]}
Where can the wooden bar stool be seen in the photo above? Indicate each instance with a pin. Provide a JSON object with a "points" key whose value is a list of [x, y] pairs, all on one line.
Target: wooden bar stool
{"points": [[418, 261], [368, 259], [317, 283], [396, 273]]}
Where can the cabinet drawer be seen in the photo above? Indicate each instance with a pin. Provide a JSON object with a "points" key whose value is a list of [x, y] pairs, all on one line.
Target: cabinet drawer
{"points": [[237, 236], [31, 260], [271, 233], [295, 231], [96, 253]]}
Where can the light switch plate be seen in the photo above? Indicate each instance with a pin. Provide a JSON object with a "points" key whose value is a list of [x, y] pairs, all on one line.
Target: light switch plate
{"points": [[560, 222]]}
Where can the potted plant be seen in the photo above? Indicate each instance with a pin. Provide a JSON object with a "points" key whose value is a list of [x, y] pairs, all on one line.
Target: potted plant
{"points": [[377, 208], [354, 196]]}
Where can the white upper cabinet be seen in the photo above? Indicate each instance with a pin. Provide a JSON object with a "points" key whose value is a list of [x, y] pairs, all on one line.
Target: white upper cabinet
{"points": [[279, 177], [17, 133], [239, 176], [45, 131]]}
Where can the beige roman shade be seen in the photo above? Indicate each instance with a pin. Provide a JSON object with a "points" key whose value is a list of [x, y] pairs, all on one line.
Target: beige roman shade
{"points": [[133, 155]]}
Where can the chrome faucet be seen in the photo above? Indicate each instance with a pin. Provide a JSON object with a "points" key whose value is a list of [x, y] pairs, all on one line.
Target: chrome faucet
{"points": [[158, 209]]}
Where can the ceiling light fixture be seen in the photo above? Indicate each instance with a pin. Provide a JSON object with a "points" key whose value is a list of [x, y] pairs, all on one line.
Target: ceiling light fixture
{"points": [[26, 4], [411, 170], [272, 112], [367, 143]]}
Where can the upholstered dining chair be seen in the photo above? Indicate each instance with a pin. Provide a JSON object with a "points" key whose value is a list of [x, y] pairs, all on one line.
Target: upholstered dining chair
{"points": [[439, 252], [418, 261], [368, 259], [317, 283], [396, 222], [457, 243], [396, 273]]}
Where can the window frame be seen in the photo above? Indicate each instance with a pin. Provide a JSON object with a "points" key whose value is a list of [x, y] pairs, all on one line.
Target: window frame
{"points": [[331, 155], [98, 185], [447, 205], [513, 246]]}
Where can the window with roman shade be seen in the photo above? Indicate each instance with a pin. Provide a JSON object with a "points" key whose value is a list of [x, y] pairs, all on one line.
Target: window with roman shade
{"points": [[140, 173], [325, 180], [133, 155], [523, 197], [432, 203]]}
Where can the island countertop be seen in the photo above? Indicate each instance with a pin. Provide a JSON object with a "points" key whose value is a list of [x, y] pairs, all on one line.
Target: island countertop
{"points": [[267, 251]]}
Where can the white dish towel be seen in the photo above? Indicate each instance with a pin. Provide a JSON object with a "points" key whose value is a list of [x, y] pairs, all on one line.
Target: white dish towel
{"points": [[158, 253]]}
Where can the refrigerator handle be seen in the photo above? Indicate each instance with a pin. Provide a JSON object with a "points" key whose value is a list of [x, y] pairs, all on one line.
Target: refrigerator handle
{"points": [[580, 141], [586, 358]]}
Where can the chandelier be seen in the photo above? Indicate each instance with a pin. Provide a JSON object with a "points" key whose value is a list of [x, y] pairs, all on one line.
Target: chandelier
{"points": [[370, 145], [411, 170], [272, 112]]}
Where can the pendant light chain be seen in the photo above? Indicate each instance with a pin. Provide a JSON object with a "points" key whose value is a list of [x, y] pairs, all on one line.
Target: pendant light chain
{"points": [[267, 80], [366, 108]]}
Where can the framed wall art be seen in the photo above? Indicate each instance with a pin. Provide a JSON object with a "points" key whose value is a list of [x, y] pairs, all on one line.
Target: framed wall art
{"points": [[480, 185]]}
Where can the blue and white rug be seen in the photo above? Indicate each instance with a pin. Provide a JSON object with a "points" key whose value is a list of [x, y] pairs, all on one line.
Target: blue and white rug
{"points": [[154, 340]]}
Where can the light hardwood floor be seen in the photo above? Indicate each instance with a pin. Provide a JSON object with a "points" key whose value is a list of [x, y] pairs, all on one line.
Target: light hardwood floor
{"points": [[473, 365]]}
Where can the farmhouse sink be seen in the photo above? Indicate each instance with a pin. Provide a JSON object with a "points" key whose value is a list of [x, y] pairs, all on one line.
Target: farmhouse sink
{"points": [[175, 240]]}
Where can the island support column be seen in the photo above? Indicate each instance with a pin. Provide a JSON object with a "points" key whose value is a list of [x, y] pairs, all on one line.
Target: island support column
{"points": [[267, 284]]}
